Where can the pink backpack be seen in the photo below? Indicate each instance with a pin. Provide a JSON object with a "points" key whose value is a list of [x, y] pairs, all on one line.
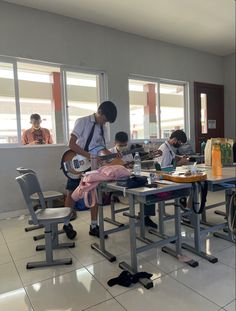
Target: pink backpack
{"points": [[89, 182]]}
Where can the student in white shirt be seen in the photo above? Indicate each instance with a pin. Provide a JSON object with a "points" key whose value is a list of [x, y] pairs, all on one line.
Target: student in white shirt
{"points": [[168, 156], [121, 145], [89, 132]]}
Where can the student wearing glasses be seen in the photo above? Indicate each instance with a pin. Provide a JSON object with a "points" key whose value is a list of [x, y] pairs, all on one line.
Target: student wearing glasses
{"points": [[121, 145], [168, 156]]}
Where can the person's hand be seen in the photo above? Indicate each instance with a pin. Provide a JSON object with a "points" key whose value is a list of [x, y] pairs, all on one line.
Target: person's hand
{"points": [[183, 160], [119, 155], [157, 153]]}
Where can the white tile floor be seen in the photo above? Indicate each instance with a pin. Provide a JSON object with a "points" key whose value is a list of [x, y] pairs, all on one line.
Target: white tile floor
{"points": [[83, 285]]}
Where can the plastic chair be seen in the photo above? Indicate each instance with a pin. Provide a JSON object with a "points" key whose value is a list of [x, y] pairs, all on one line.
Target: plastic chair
{"points": [[49, 197], [49, 218]]}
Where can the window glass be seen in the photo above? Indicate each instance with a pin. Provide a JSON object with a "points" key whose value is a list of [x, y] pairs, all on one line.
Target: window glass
{"points": [[156, 109], [8, 123], [40, 93], [204, 113], [143, 109], [82, 95], [171, 108]]}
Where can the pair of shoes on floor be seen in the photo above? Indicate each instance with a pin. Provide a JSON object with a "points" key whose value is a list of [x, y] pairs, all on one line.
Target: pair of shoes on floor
{"points": [[73, 214], [126, 278], [95, 232], [70, 232], [149, 223]]}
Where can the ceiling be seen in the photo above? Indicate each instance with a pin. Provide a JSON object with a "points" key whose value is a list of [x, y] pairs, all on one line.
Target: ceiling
{"points": [[206, 25]]}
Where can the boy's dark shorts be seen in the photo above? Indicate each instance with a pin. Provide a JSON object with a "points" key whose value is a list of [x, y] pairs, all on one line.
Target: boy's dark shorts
{"points": [[72, 184]]}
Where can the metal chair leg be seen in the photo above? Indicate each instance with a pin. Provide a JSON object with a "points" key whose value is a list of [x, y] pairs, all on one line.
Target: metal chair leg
{"points": [[49, 253]]}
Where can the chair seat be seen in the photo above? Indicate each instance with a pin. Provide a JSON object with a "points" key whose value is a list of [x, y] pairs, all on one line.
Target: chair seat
{"points": [[53, 214], [48, 195]]}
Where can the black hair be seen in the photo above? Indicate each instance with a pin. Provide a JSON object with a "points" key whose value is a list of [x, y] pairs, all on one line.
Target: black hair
{"points": [[121, 137], [179, 135], [108, 109], [35, 116]]}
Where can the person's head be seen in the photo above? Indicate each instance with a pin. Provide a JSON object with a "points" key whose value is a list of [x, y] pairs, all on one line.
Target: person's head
{"points": [[177, 138], [35, 120], [106, 112], [121, 141]]}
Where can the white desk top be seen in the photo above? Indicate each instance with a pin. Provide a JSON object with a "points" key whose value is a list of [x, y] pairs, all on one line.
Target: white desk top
{"points": [[228, 174]]}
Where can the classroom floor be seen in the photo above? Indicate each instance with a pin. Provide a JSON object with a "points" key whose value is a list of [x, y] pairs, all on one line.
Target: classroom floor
{"points": [[83, 285]]}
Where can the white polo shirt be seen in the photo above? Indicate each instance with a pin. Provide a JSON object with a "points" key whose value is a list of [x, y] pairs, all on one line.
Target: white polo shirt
{"points": [[82, 129], [167, 155], [126, 158]]}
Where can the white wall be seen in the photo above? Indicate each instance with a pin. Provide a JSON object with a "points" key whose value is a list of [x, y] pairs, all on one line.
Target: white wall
{"points": [[33, 34], [229, 88], [45, 160]]}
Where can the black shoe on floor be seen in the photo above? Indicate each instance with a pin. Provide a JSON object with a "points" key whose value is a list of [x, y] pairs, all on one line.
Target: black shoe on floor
{"points": [[95, 232], [73, 214], [70, 232], [149, 223]]}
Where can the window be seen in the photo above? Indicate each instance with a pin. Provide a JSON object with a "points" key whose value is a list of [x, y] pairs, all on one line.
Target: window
{"points": [[82, 95], [27, 88], [204, 113], [157, 108], [8, 121], [58, 95], [39, 86]]}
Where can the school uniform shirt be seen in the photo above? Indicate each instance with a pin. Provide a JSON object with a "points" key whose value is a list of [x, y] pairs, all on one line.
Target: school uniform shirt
{"points": [[168, 155], [126, 158], [82, 129]]}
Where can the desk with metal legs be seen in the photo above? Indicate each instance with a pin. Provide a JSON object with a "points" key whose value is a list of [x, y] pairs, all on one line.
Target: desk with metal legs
{"points": [[227, 182], [143, 196]]}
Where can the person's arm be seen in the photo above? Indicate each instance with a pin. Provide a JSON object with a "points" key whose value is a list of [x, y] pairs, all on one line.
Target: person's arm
{"points": [[24, 138], [50, 141], [47, 137], [181, 160], [76, 148]]}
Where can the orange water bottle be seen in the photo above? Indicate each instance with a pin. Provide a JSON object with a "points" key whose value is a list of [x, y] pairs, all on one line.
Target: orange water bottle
{"points": [[216, 160]]}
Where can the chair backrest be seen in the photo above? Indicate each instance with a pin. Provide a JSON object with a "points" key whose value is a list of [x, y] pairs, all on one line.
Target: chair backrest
{"points": [[22, 170], [29, 185]]}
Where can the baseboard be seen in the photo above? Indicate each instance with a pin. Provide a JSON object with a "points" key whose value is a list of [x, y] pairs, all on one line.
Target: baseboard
{"points": [[14, 214]]}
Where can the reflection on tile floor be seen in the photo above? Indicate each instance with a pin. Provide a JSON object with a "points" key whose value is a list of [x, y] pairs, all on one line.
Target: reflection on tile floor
{"points": [[83, 285]]}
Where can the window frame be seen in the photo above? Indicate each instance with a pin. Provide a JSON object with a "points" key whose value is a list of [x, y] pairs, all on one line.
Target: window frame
{"points": [[102, 95], [159, 81], [102, 92]]}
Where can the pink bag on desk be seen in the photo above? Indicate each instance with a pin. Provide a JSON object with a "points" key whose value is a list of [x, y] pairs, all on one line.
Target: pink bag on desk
{"points": [[89, 182]]}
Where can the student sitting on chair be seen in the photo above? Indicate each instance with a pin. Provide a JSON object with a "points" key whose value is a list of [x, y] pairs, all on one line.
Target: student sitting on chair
{"points": [[168, 156], [121, 145]]}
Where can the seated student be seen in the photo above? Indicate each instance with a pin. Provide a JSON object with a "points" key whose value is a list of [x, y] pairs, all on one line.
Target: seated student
{"points": [[121, 145], [168, 156], [36, 135]]}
